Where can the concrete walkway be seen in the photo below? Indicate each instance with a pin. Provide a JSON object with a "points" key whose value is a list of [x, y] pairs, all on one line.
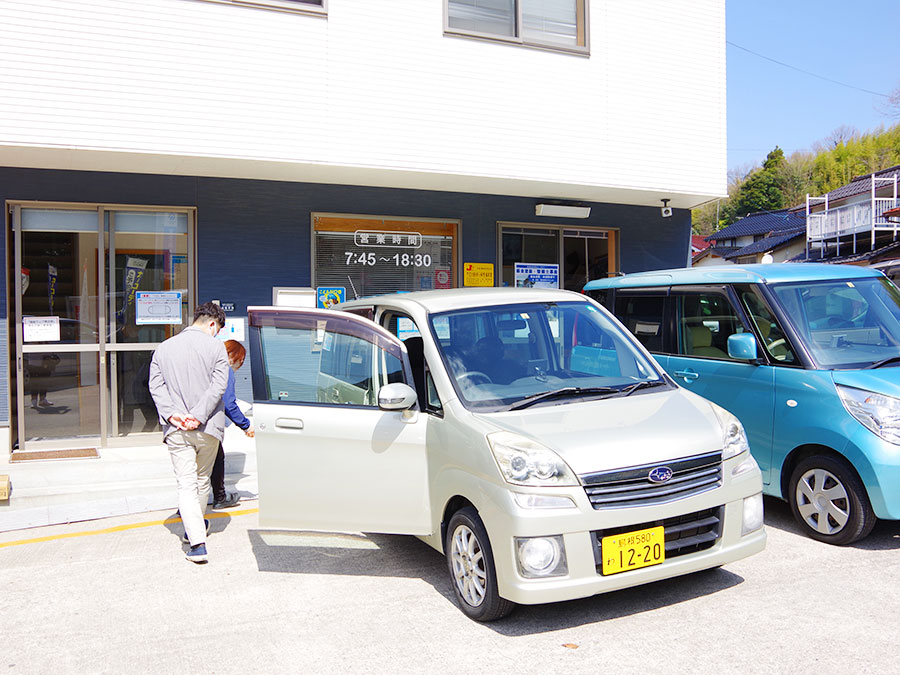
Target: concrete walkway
{"points": [[122, 481]]}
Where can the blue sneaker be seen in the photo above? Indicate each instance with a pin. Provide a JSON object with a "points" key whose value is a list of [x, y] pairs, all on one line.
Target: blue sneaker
{"points": [[184, 537], [197, 554]]}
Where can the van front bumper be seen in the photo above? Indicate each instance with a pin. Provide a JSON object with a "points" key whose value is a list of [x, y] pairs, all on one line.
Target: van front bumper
{"points": [[582, 528], [585, 579]]}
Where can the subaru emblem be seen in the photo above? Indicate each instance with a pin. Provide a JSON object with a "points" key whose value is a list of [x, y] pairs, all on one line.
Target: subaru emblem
{"points": [[660, 474]]}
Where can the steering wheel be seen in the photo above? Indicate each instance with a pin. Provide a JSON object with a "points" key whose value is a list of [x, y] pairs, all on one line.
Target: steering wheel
{"points": [[776, 343], [837, 322], [471, 378]]}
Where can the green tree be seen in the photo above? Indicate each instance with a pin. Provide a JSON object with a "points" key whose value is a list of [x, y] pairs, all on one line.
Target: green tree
{"points": [[762, 190]]}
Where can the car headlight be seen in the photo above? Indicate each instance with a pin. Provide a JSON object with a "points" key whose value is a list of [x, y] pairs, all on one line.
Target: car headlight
{"points": [[523, 461], [734, 439], [878, 413]]}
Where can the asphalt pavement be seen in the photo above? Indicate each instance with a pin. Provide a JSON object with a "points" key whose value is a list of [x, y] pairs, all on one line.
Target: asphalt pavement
{"points": [[117, 594]]}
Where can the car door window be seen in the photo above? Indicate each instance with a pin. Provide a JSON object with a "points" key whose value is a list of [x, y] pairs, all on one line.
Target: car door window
{"points": [[327, 362], [705, 322], [773, 337], [643, 316]]}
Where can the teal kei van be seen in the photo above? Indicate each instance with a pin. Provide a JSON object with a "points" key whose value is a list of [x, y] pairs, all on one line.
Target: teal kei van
{"points": [[807, 356]]}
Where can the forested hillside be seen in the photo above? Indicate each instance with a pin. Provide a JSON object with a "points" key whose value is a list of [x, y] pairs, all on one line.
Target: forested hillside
{"points": [[785, 181]]}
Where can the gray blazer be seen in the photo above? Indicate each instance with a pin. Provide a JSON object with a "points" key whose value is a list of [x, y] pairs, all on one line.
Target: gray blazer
{"points": [[188, 375]]}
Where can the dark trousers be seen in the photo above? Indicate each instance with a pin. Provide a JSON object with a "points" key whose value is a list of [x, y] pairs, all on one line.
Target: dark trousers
{"points": [[217, 479]]}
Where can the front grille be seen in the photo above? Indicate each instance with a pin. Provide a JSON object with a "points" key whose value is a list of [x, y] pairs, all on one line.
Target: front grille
{"points": [[632, 487], [685, 534]]}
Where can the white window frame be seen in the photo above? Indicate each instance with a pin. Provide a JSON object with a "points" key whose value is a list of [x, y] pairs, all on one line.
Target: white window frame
{"points": [[293, 6], [584, 50]]}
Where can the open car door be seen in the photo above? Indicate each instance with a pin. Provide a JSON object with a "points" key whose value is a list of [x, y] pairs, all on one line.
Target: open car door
{"points": [[328, 457]]}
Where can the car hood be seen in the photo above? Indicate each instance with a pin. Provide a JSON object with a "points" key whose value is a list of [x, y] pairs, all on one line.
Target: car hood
{"points": [[647, 428], [881, 380]]}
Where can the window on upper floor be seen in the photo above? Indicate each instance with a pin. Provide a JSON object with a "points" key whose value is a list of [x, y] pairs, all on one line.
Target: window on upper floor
{"points": [[303, 6], [552, 24]]}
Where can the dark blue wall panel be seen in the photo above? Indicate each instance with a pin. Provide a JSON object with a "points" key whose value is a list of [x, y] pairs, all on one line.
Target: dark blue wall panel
{"points": [[253, 235]]}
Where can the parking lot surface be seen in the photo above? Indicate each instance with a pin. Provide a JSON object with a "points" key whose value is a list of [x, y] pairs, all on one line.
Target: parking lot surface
{"points": [[117, 595]]}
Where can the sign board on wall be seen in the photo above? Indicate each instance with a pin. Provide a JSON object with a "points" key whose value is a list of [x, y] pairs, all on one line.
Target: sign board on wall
{"points": [[478, 274], [534, 275], [233, 330], [329, 296]]}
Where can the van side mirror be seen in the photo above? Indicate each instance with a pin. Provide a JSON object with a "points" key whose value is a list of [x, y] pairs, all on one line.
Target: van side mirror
{"points": [[742, 346], [396, 396]]}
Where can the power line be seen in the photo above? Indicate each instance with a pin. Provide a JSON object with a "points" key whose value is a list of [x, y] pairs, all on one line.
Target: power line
{"points": [[806, 72]]}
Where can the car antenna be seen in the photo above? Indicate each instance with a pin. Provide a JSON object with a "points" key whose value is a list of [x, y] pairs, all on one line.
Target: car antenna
{"points": [[353, 288]]}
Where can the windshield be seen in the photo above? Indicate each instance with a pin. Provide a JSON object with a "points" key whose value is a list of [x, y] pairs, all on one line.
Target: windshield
{"points": [[845, 324], [512, 356]]}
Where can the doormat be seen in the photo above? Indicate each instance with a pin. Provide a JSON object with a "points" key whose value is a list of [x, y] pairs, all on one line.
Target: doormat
{"points": [[75, 453]]}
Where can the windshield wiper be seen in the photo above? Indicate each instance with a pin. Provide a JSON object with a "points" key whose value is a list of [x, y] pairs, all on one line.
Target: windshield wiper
{"points": [[631, 388], [883, 362], [562, 393]]}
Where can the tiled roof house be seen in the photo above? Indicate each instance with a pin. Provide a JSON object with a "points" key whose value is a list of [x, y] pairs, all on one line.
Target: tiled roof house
{"points": [[777, 233]]}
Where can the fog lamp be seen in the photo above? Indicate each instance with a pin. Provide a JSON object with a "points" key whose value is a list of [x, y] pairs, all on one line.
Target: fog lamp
{"points": [[753, 514], [541, 556]]}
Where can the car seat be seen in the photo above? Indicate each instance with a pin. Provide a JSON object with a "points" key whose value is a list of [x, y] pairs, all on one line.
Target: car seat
{"points": [[701, 340]]}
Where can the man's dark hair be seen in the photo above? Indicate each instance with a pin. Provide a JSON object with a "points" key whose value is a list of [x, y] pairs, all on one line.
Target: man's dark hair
{"points": [[210, 310]]}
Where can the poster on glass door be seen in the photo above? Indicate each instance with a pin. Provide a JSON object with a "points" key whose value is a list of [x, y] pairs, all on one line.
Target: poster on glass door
{"points": [[157, 307]]}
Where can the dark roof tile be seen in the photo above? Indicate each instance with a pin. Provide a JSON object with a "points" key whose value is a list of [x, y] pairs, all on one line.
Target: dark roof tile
{"points": [[761, 223]]}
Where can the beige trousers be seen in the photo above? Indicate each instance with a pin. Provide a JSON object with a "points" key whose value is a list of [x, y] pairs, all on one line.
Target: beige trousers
{"points": [[193, 454]]}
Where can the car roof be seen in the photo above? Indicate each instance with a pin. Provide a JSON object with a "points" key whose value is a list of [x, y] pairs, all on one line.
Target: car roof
{"points": [[730, 274], [445, 300]]}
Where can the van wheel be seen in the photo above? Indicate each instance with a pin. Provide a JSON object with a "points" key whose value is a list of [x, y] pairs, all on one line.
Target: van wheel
{"points": [[830, 501], [471, 566]]}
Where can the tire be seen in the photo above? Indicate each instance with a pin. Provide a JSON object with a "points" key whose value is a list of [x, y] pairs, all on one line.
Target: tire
{"points": [[829, 501], [470, 562]]}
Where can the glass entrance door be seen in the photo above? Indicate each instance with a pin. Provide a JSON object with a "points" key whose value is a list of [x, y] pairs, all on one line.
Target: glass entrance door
{"points": [[58, 374], [98, 289], [148, 266]]}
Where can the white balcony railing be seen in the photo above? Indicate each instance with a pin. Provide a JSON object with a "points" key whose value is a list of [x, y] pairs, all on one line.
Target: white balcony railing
{"points": [[862, 217]]}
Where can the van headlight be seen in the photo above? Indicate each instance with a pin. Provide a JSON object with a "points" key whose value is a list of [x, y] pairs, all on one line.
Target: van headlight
{"points": [[523, 461], [878, 413], [734, 439]]}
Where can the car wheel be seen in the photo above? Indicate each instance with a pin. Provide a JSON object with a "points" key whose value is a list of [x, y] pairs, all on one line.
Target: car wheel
{"points": [[471, 565], [829, 501]]}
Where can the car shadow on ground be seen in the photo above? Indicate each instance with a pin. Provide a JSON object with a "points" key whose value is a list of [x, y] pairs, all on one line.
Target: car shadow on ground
{"points": [[377, 555], [885, 535]]}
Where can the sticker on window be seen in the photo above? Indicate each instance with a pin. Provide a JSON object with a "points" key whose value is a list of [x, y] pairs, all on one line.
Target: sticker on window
{"points": [[646, 328]]}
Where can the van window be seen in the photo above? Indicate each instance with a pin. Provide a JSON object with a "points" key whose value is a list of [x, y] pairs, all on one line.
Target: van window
{"points": [[705, 321], [535, 348], [317, 364], [844, 324], [770, 330], [643, 316]]}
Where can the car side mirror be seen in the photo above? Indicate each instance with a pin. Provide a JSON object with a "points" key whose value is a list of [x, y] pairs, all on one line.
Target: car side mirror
{"points": [[742, 346], [396, 396]]}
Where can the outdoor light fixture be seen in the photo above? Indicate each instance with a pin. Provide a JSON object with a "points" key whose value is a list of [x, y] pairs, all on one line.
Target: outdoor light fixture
{"points": [[562, 211]]}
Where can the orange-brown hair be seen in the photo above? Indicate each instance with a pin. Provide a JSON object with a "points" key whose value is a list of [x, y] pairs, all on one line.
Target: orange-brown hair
{"points": [[236, 351]]}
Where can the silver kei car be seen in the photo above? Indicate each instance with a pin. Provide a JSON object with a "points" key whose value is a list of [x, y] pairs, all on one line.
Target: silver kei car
{"points": [[524, 433]]}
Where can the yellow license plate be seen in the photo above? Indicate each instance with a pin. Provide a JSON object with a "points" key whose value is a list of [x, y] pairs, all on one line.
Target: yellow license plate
{"points": [[633, 550]]}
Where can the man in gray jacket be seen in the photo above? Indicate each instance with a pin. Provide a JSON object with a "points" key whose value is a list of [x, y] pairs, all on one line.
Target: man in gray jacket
{"points": [[188, 375]]}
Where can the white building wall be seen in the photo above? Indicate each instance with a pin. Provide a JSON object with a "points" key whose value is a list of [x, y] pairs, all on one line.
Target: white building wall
{"points": [[374, 93]]}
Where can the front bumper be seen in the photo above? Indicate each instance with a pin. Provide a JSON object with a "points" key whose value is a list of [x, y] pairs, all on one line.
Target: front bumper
{"points": [[576, 526]]}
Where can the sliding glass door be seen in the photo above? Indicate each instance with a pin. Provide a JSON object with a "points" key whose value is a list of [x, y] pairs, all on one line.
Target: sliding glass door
{"points": [[97, 289]]}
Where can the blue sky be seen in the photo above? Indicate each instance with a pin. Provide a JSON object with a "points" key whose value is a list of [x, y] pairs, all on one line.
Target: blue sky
{"points": [[769, 104]]}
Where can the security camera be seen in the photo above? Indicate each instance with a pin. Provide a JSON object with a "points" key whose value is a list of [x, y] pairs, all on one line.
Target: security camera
{"points": [[666, 210]]}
